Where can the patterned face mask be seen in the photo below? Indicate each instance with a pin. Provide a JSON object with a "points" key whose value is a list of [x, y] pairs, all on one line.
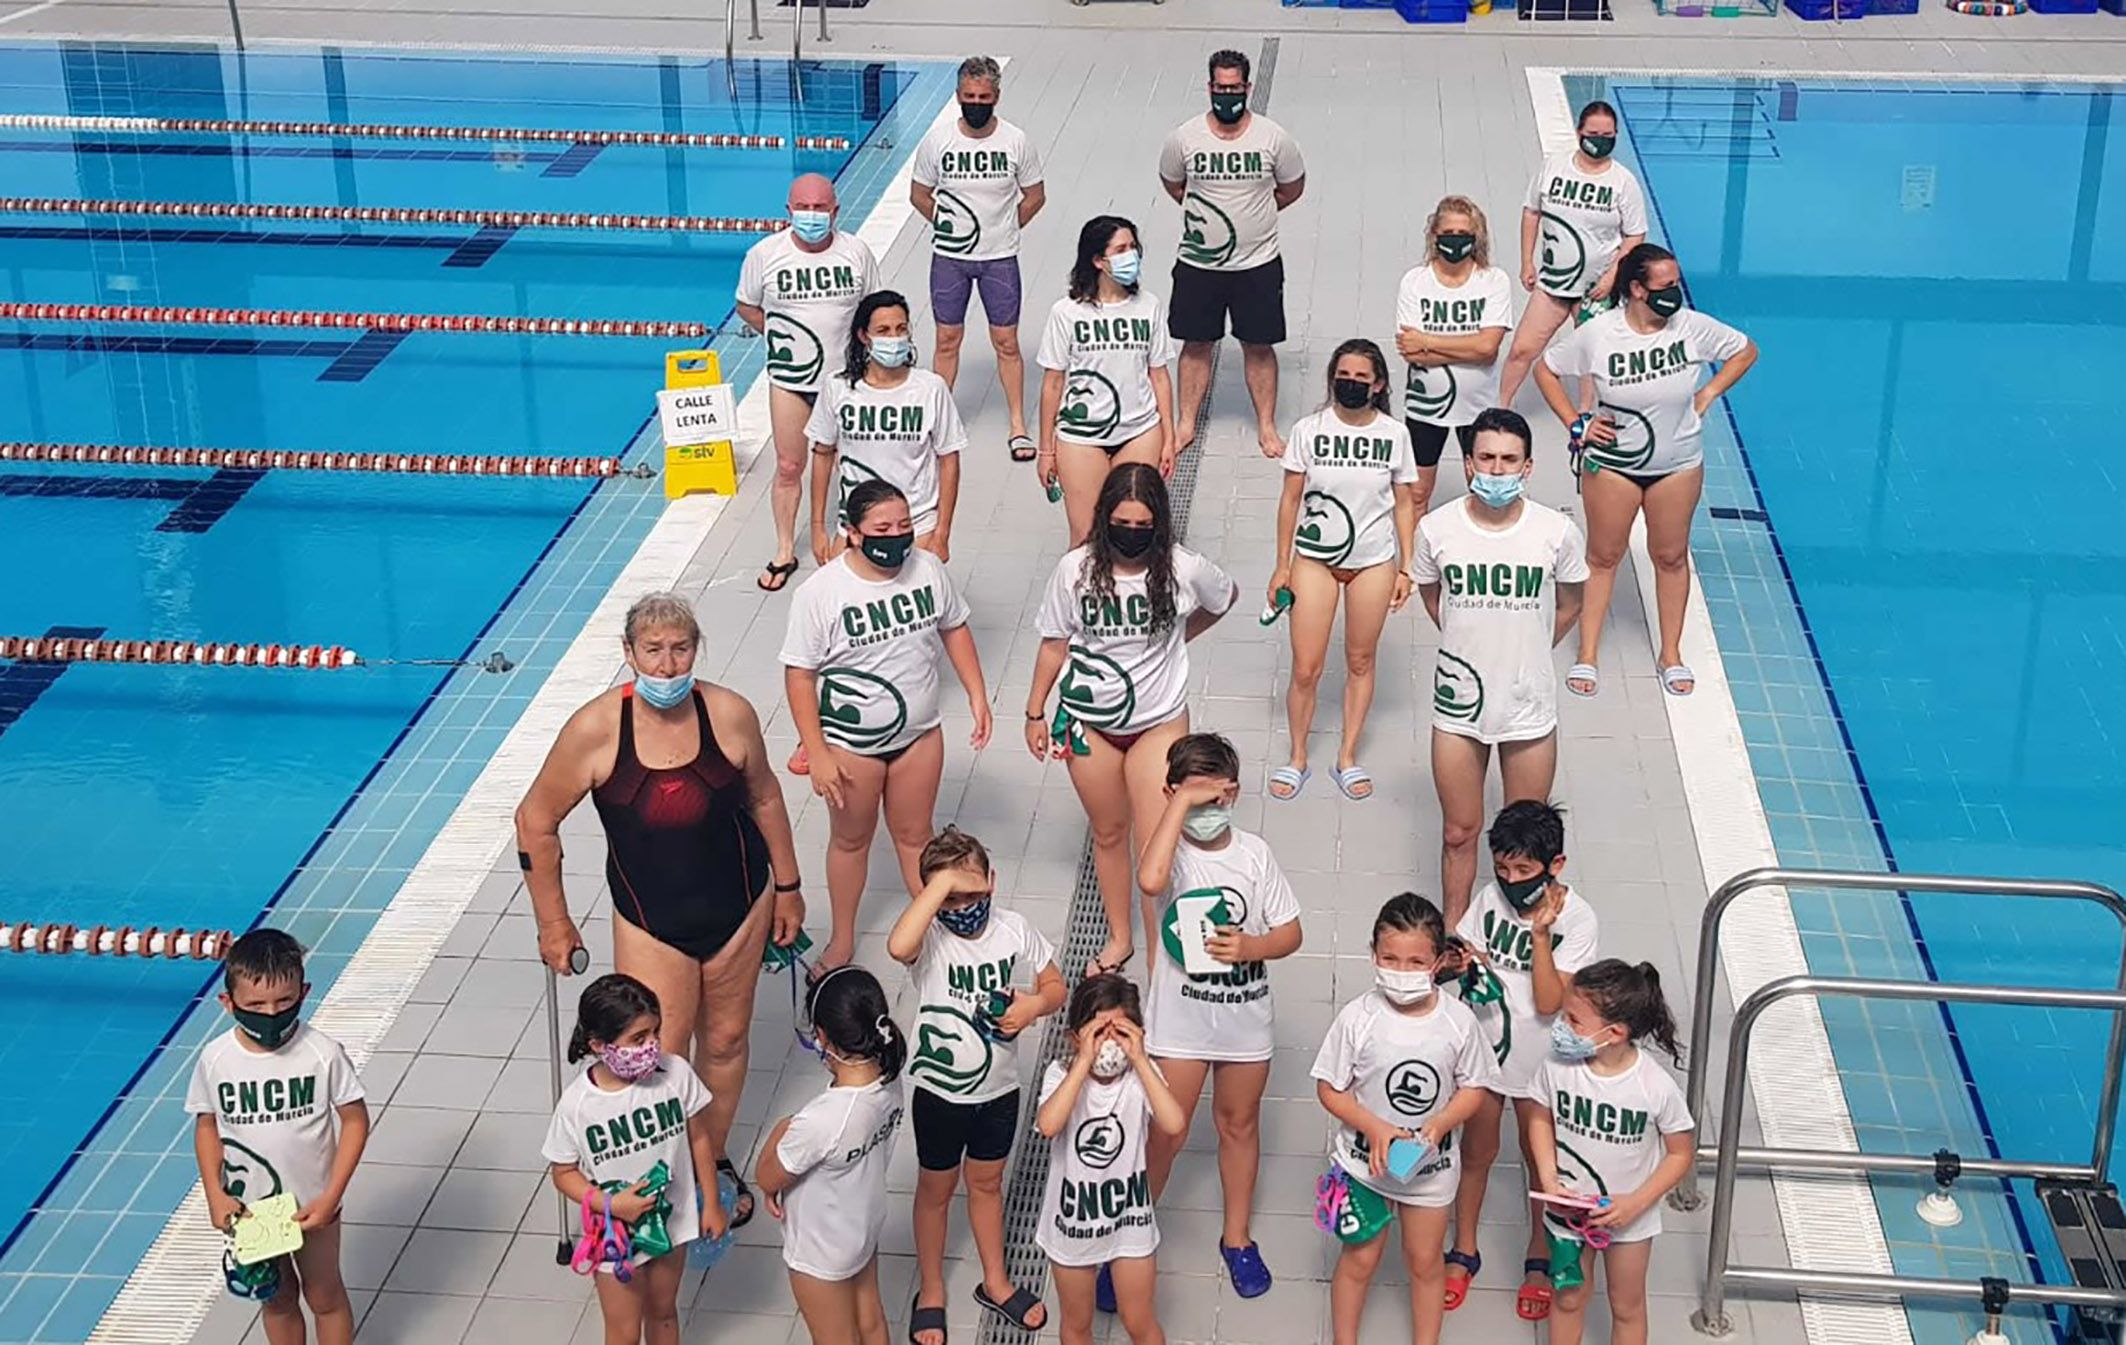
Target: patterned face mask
{"points": [[631, 1062]]}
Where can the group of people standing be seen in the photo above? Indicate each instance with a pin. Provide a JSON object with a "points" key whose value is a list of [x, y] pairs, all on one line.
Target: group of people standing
{"points": [[1495, 994]]}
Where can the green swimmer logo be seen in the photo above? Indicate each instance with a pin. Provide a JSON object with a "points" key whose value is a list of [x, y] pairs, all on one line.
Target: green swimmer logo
{"points": [[1457, 689], [1207, 234], [795, 355], [1431, 391], [1099, 1142], [1630, 425], [1096, 691], [1413, 1088], [1564, 268], [853, 474], [1232, 909], [247, 1176], [950, 1054], [1326, 531], [859, 710], [954, 230], [1575, 1173], [1092, 408]]}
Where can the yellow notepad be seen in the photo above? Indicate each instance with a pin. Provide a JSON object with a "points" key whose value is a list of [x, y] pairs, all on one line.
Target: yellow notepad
{"points": [[267, 1229]]}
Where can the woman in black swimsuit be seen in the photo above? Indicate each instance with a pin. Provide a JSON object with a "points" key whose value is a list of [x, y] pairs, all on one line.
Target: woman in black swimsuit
{"points": [[696, 836]]}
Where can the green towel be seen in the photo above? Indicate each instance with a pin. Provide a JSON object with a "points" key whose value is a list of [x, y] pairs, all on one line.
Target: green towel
{"points": [[651, 1233], [1365, 1214], [1565, 1272], [1066, 728]]}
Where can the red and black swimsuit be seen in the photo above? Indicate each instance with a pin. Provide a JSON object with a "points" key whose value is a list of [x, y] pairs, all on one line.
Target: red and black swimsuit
{"points": [[684, 858]]}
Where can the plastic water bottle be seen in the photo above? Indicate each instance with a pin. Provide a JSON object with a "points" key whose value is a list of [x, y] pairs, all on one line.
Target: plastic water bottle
{"points": [[705, 1252], [1277, 608]]}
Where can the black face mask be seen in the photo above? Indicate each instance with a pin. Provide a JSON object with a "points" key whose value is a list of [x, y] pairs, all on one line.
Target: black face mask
{"points": [[1352, 393], [1455, 247], [1229, 108], [1598, 146], [1666, 301], [270, 1030], [1130, 542], [888, 553], [977, 115]]}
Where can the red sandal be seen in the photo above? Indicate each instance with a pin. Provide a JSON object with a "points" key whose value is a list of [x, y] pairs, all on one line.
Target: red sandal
{"points": [[1458, 1291], [1532, 1303]]}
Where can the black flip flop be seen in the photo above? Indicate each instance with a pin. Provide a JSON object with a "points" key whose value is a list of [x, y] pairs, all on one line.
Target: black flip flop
{"points": [[780, 574], [1022, 449], [744, 1194], [1013, 1309], [925, 1319]]}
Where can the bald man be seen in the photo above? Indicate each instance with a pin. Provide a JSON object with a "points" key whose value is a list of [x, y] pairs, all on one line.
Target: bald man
{"points": [[800, 287]]}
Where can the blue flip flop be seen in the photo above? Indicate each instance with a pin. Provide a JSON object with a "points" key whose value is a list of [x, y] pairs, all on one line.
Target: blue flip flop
{"points": [[1293, 778]]}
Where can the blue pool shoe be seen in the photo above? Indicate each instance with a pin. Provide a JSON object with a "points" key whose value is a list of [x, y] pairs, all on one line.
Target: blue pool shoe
{"points": [[1251, 1278]]}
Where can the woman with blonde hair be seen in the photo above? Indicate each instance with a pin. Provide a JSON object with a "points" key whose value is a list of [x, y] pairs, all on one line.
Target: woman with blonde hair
{"points": [[1451, 316]]}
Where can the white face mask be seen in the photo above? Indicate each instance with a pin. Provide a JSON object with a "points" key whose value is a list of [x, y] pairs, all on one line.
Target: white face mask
{"points": [[1110, 1060], [1206, 822], [1402, 987]]}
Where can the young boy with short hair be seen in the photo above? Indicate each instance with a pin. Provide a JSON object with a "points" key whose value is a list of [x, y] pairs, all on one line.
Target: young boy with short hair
{"points": [[280, 1110]]}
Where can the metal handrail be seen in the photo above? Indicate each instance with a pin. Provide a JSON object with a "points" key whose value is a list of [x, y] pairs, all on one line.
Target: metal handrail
{"points": [[797, 50], [754, 36], [1711, 1317], [1686, 1196], [822, 19]]}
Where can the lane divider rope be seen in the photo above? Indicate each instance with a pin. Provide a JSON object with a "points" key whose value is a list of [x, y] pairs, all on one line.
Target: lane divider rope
{"points": [[171, 316], [218, 654], [538, 135], [276, 459], [27, 936], [486, 219]]}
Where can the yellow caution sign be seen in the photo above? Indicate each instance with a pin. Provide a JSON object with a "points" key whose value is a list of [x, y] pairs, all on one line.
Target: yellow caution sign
{"points": [[699, 418]]}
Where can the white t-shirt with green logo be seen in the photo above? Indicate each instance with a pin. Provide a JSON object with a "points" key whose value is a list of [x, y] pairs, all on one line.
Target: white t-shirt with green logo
{"points": [[1121, 678], [1229, 214], [895, 435], [1498, 602], [619, 1136], [876, 648], [810, 299], [978, 182], [838, 1147], [1647, 382], [277, 1111], [1347, 515], [1402, 1067], [1585, 217], [1106, 353], [954, 977], [1610, 1130], [1225, 1015], [1452, 394], [1097, 1205], [1519, 1036]]}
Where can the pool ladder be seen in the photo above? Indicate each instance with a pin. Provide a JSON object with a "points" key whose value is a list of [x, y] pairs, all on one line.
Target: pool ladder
{"points": [[730, 40], [2082, 1205]]}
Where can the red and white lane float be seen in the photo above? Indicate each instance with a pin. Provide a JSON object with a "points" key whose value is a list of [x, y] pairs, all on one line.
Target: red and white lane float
{"points": [[340, 214], [30, 936], [333, 130], [163, 315], [218, 654], [288, 460]]}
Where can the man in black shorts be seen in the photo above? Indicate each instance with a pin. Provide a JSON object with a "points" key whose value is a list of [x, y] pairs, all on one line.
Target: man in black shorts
{"points": [[1232, 171]]}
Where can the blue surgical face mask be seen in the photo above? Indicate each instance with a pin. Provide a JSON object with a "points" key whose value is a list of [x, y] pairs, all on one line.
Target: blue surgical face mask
{"points": [[1567, 1044], [664, 692], [891, 352], [1206, 822], [1496, 491], [966, 921], [812, 226], [1124, 266]]}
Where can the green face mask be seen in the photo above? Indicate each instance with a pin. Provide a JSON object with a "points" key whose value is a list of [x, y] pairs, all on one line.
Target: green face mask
{"points": [[1229, 108], [1523, 896], [1598, 146], [1455, 247], [269, 1030], [1666, 301]]}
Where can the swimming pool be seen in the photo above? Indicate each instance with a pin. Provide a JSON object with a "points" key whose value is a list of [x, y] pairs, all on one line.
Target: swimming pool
{"points": [[209, 797], [1911, 557]]}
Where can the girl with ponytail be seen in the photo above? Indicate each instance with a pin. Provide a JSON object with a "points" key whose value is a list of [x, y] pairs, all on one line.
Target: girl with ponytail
{"points": [[823, 1170], [633, 1087], [1613, 1126]]}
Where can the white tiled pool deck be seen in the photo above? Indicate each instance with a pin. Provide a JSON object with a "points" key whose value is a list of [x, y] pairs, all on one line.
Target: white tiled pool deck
{"points": [[451, 1222]]}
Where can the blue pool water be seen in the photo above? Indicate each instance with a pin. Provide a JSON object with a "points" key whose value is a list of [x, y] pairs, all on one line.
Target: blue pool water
{"points": [[208, 797], [1914, 562]]}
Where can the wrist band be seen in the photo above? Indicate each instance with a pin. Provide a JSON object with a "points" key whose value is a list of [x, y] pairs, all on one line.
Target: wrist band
{"points": [[524, 860], [790, 887], [1035, 716]]}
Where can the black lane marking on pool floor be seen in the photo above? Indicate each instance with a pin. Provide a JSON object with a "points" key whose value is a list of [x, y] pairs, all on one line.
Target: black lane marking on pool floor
{"points": [[475, 251], [133, 233], [352, 361], [229, 151], [202, 501], [21, 684], [573, 161], [212, 501], [358, 360]]}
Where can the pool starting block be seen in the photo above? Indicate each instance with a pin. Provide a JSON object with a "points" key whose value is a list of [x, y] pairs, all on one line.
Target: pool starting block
{"points": [[700, 419], [2090, 1224]]}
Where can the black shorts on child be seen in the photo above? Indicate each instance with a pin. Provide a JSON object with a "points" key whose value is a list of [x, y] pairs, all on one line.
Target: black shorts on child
{"points": [[947, 1131]]}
